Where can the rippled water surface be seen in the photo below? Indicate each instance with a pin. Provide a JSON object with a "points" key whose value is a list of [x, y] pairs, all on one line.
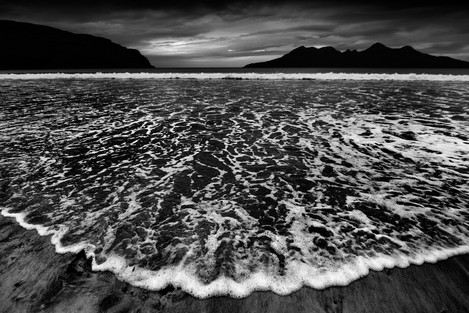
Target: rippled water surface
{"points": [[226, 186]]}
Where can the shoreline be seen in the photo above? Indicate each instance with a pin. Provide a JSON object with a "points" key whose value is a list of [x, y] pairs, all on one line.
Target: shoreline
{"points": [[177, 278], [34, 278], [249, 75]]}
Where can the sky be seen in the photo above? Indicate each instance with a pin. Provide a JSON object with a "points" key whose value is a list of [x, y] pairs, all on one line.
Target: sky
{"points": [[180, 33]]}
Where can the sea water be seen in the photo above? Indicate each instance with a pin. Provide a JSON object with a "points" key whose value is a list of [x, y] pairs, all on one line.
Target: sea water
{"points": [[222, 183]]}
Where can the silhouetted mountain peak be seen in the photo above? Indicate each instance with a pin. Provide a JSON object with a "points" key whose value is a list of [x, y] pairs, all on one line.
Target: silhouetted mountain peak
{"points": [[301, 49], [408, 49], [378, 47], [328, 49]]}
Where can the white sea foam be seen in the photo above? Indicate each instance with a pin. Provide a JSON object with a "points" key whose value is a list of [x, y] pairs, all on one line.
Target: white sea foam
{"points": [[301, 274], [300, 186], [56, 235], [243, 76]]}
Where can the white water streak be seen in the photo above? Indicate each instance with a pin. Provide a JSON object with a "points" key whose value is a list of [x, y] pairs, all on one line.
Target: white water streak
{"points": [[243, 76]]}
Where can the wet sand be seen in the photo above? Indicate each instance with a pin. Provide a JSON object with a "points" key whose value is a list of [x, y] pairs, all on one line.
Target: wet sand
{"points": [[33, 278]]}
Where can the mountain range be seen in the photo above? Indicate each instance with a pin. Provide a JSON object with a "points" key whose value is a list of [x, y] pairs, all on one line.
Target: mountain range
{"points": [[35, 47], [376, 56], [31, 46]]}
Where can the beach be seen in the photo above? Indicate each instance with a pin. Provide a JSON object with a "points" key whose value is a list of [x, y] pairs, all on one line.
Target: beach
{"points": [[235, 156], [34, 278]]}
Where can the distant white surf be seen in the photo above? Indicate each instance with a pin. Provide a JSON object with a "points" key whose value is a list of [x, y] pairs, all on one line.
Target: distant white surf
{"points": [[244, 76]]}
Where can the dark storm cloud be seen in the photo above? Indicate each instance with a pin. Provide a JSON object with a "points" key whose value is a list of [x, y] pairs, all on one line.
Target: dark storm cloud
{"points": [[233, 33]]}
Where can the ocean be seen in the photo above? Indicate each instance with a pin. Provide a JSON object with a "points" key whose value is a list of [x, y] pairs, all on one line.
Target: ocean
{"points": [[224, 182]]}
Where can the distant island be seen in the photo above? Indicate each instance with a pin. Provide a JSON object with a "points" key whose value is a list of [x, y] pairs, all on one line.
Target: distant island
{"points": [[29, 46], [376, 56]]}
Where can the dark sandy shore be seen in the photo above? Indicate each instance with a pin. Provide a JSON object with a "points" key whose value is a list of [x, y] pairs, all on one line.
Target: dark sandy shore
{"points": [[33, 278]]}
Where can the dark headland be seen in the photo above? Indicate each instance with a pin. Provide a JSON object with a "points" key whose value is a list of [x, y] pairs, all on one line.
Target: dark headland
{"points": [[29, 46], [376, 56]]}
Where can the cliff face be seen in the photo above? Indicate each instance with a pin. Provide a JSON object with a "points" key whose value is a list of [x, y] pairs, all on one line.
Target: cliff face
{"points": [[30, 46], [378, 55]]}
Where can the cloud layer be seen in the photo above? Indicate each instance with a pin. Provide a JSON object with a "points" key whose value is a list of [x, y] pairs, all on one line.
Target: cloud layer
{"points": [[234, 33]]}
